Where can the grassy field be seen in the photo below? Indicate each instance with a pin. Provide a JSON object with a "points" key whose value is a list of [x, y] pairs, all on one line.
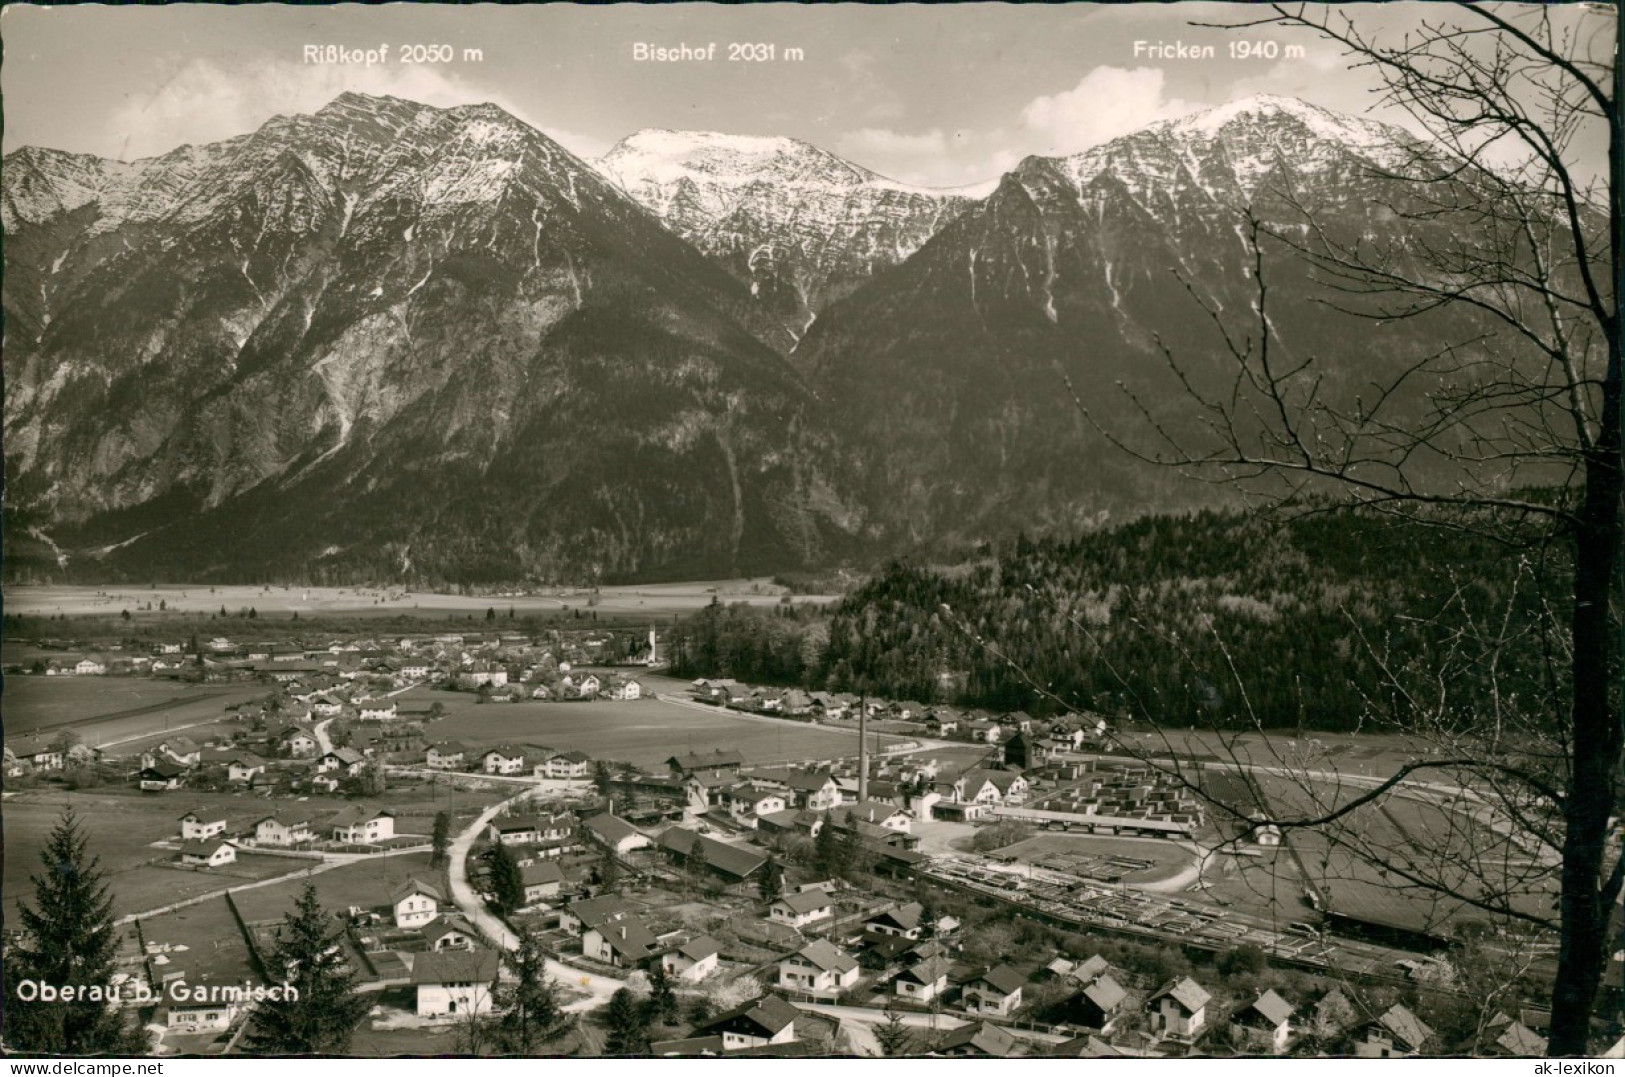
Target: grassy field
{"points": [[367, 883], [651, 599], [645, 732], [104, 709]]}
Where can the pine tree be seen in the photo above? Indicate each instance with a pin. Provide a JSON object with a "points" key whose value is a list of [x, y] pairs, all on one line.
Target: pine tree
{"points": [[69, 939], [662, 996], [532, 1016], [328, 1008], [771, 882], [609, 870], [896, 1041], [507, 881], [441, 837], [827, 850], [627, 1023]]}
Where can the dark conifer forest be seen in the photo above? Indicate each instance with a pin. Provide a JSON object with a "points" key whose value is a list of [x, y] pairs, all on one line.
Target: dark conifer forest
{"points": [[1326, 621]]}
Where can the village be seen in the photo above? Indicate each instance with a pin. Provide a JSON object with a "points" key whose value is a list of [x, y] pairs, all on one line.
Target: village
{"points": [[959, 882]]}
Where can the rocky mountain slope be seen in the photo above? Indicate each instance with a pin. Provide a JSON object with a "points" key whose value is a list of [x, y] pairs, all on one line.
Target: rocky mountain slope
{"points": [[951, 378], [392, 341], [801, 226], [387, 338]]}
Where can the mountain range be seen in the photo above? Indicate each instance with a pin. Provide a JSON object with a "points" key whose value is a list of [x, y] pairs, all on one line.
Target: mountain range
{"points": [[387, 341]]}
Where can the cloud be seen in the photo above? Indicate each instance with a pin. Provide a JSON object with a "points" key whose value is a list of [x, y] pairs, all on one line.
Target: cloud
{"points": [[1106, 103], [933, 158], [205, 102]]}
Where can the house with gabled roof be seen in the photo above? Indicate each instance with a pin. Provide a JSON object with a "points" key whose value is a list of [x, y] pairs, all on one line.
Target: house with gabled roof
{"points": [[819, 968], [619, 938], [542, 879], [572, 765], [283, 829], [161, 777], [733, 863], [747, 802], [455, 982], [615, 834], [344, 761], [924, 980], [766, 1020], [1097, 1004], [1396, 1033], [977, 1039], [415, 903], [244, 767], [694, 762], [208, 853], [505, 759], [996, 991], [200, 823], [693, 960], [358, 825], [445, 755], [801, 909], [1263, 1025], [903, 921], [445, 934], [1179, 1008]]}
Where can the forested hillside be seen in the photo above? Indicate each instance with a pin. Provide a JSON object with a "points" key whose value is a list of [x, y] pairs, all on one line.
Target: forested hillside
{"points": [[1325, 621]]}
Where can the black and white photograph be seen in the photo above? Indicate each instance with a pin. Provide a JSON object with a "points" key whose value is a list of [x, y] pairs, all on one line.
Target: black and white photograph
{"points": [[837, 530]]}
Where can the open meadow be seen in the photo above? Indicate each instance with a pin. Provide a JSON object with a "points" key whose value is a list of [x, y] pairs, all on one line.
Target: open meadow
{"points": [[103, 710], [645, 732], [366, 883], [120, 827], [646, 599]]}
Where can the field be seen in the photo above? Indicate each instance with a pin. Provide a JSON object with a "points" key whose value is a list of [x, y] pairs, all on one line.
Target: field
{"points": [[104, 710], [119, 827], [644, 732], [1091, 857], [366, 883], [651, 599], [216, 951]]}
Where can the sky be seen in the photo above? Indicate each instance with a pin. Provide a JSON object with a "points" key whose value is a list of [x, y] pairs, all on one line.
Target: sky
{"points": [[933, 95]]}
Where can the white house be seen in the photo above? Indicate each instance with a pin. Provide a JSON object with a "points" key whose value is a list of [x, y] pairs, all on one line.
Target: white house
{"points": [[1179, 1008], [799, 910], [244, 767], [694, 960], [615, 833], [565, 766], [415, 903], [191, 1016], [363, 826], [504, 759], [455, 982], [924, 981], [445, 755], [1264, 1025], [1398, 1033], [212, 853], [89, 667], [282, 830], [996, 991], [541, 880], [818, 968], [196, 826]]}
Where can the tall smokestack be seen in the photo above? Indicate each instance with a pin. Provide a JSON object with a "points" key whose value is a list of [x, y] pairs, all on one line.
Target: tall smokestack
{"points": [[863, 749]]}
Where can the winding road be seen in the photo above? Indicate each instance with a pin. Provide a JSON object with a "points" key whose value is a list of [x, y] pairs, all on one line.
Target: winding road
{"points": [[598, 988]]}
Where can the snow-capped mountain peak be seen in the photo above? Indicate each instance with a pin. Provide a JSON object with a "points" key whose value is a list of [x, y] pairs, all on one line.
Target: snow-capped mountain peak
{"points": [[798, 223]]}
